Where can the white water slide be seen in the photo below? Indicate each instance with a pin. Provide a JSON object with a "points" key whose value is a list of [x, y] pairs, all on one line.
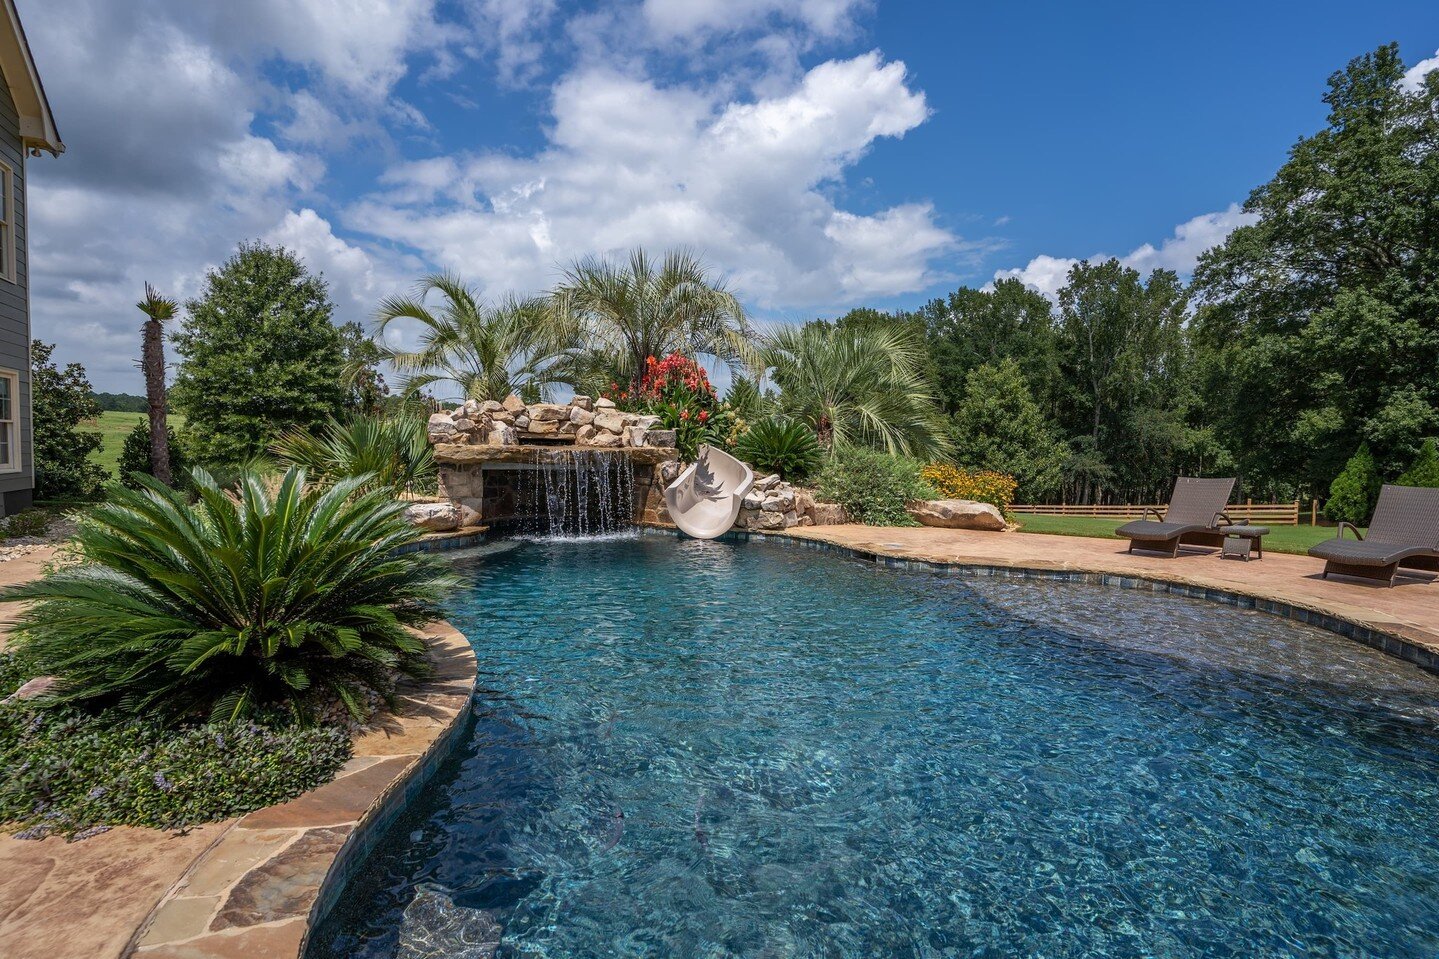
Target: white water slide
{"points": [[705, 500]]}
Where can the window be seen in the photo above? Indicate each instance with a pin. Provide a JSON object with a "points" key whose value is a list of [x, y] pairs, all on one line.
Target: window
{"points": [[9, 421], [7, 223]]}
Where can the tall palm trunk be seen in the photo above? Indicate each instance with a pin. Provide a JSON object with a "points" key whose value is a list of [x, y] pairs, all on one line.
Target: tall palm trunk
{"points": [[153, 363], [157, 310]]}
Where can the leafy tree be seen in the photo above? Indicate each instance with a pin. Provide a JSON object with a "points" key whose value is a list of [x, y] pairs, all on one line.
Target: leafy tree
{"points": [[1424, 471], [259, 355], [121, 402], [645, 307], [1123, 351], [158, 311], [998, 426], [365, 386], [1354, 491], [1322, 316], [488, 350], [235, 605], [62, 400], [135, 456], [976, 327], [857, 385]]}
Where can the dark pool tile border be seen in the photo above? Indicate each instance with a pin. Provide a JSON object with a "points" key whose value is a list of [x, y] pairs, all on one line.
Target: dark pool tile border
{"points": [[444, 542], [1384, 642]]}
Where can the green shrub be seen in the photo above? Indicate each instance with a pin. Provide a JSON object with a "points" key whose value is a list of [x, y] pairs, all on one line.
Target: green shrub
{"points": [[61, 403], [1424, 471], [234, 605], [873, 487], [780, 445], [135, 455], [1354, 490], [69, 771], [30, 522], [393, 450]]}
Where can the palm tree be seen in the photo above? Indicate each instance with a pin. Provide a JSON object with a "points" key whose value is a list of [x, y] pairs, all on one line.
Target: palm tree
{"points": [[490, 350], [857, 385], [646, 307], [158, 311]]}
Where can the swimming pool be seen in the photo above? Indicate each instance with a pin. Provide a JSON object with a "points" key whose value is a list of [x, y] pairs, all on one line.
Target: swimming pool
{"points": [[714, 749]]}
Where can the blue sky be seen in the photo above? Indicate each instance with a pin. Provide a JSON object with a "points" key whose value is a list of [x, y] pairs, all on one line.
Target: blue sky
{"points": [[822, 153]]}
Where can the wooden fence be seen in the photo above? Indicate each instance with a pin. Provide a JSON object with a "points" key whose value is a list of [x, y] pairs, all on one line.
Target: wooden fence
{"points": [[1262, 514]]}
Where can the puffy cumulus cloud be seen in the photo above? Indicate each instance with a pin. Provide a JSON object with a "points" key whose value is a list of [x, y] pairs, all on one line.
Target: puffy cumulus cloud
{"points": [[630, 162], [165, 170], [359, 278], [1180, 252], [1414, 77]]}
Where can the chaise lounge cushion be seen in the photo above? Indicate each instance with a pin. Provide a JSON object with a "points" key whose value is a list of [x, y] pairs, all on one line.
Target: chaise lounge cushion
{"points": [[1365, 553], [1148, 530]]}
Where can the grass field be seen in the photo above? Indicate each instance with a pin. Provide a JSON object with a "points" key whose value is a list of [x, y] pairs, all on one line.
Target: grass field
{"points": [[1281, 539], [113, 428]]}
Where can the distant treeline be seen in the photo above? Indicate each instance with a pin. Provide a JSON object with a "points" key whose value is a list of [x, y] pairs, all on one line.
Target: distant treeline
{"points": [[120, 402]]}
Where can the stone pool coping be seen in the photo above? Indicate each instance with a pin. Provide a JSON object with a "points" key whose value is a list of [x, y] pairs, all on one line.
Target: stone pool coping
{"points": [[1402, 621]]}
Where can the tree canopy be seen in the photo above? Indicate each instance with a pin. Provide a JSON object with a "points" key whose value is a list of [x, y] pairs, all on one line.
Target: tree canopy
{"points": [[259, 356]]}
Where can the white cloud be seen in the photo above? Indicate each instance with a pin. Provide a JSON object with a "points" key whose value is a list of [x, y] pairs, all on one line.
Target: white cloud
{"points": [[164, 169], [513, 31], [359, 278], [1180, 252], [1414, 77], [630, 162], [677, 18]]}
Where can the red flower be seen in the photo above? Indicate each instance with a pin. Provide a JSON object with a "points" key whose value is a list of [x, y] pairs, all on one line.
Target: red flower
{"points": [[684, 414], [704, 415]]}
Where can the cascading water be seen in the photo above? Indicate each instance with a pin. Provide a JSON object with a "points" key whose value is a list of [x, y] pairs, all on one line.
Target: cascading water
{"points": [[576, 493]]}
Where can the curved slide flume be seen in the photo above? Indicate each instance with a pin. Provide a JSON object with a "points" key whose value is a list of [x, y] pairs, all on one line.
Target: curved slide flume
{"points": [[705, 500]]}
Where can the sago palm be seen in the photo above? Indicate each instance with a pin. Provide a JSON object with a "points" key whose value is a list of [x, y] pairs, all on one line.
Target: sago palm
{"points": [[391, 450], [490, 349], [644, 307], [235, 604], [859, 385]]}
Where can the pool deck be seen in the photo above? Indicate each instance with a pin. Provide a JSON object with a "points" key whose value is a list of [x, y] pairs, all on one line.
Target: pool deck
{"points": [[249, 887]]}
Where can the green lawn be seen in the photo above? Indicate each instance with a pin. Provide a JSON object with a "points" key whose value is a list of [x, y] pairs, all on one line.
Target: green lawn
{"points": [[1281, 539], [113, 428]]}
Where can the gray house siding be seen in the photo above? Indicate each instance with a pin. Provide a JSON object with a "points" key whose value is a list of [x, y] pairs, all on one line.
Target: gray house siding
{"points": [[16, 488]]}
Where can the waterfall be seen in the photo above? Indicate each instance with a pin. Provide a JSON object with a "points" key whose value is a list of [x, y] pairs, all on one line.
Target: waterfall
{"points": [[577, 492]]}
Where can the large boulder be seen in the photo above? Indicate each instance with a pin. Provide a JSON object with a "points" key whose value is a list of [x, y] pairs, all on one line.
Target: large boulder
{"points": [[610, 421], [828, 514], [957, 514], [513, 403], [435, 517]]}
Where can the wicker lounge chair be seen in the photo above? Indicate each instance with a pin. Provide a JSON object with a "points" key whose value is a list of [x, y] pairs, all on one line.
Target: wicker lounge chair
{"points": [[1195, 517], [1404, 534]]}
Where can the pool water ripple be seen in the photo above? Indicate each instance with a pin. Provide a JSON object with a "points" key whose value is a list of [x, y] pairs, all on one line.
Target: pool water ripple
{"points": [[718, 749]]}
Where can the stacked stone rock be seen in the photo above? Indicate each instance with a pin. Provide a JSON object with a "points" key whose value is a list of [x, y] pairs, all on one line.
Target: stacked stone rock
{"points": [[591, 422], [774, 504]]}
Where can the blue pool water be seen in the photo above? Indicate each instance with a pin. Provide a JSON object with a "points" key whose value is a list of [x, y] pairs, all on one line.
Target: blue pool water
{"points": [[712, 749]]}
